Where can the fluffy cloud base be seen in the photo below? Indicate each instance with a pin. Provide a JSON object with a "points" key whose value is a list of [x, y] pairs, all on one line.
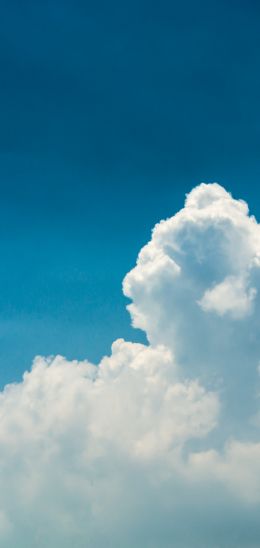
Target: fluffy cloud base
{"points": [[158, 445]]}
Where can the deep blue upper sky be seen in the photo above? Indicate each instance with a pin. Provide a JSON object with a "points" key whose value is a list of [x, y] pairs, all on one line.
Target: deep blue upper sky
{"points": [[110, 113]]}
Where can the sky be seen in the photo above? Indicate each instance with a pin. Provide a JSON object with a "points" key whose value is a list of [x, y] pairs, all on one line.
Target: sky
{"points": [[110, 113], [129, 359]]}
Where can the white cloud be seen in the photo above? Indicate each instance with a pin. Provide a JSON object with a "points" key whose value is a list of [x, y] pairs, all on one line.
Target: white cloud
{"points": [[158, 445], [229, 297], [211, 242], [66, 426]]}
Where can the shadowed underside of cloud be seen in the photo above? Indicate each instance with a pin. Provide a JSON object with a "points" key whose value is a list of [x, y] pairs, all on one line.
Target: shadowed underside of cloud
{"points": [[158, 445]]}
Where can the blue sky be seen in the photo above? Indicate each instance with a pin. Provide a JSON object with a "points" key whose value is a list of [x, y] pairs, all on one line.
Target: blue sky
{"points": [[110, 113]]}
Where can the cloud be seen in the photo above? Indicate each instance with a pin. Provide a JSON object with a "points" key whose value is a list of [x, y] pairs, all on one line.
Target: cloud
{"points": [[159, 444], [195, 290], [229, 297]]}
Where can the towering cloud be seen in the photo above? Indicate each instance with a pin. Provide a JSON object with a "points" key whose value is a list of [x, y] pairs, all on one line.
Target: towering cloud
{"points": [[158, 445], [195, 289]]}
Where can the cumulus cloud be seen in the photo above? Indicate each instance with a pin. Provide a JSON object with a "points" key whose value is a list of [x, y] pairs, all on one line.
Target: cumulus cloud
{"points": [[159, 444], [194, 289], [229, 297]]}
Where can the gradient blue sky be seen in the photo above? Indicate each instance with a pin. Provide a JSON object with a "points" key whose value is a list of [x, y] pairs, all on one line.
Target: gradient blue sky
{"points": [[110, 113]]}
